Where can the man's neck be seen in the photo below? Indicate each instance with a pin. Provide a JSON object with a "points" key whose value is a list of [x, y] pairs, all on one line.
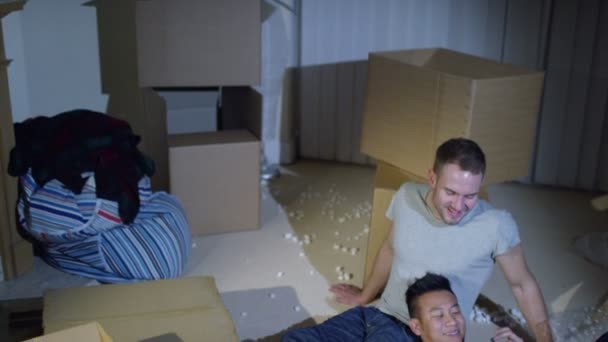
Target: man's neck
{"points": [[429, 204]]}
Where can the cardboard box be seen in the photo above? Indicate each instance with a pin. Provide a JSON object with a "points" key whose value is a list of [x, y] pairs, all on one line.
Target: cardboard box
{"points": [[184, 309], [241, 109], [198, 42], [146, 112], [216, 175], [90, 332], [417, 99], [143, 108], [387, 180], [15, 253]]}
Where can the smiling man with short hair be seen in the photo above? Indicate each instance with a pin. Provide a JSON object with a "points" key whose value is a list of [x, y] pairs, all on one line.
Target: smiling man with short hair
{"points": [[435, 315], [434, 311]]}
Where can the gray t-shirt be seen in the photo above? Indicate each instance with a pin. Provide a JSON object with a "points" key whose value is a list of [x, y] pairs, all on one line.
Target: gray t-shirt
{"points": [[465, 253]]}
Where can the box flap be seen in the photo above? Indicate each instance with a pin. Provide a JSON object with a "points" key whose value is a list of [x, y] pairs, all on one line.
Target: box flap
{"points": [[187, 307], [90, 332], [456, 63], [470, 66], [417, 57], [135, 299], [211, 138], [391, 177]]}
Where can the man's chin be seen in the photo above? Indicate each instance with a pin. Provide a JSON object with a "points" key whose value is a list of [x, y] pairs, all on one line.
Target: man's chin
{"points": [[454, 336], [452, 220]]}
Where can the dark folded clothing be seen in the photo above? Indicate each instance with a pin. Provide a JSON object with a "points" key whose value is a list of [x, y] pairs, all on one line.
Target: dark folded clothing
{"points": [[64, 146]]}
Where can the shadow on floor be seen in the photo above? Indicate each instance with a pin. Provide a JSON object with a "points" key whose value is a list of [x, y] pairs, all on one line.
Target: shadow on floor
{"points": [[265, 314], [20, 319], [309, 322]]}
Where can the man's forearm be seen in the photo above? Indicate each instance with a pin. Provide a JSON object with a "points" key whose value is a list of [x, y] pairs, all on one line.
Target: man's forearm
{"points": [[380, 273], [530, 300], [542, 331]]}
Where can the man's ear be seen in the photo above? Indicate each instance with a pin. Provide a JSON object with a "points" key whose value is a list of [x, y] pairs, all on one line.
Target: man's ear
{"points": [[432, 178], [415, 325]]}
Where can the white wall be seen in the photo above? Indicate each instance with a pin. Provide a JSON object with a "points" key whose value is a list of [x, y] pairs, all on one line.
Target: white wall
{"points": [[339, 31], [346, 30], [279, 51], [55, 55]]}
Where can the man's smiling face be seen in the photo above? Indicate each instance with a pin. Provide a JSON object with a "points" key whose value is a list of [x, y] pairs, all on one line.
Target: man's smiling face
{"points": [[439, 318], [454, 192]]}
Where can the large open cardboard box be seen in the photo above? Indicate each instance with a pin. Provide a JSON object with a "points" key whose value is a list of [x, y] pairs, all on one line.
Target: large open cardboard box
{"points": [[216, 175], [417, 99]]}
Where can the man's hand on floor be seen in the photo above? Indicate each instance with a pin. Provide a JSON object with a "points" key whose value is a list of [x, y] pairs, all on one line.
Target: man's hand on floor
{"points": [[347, 294], [506, 334]]}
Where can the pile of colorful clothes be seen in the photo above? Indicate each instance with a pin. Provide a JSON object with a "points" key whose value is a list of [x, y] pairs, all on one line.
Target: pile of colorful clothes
{"points": [[86, 204]]}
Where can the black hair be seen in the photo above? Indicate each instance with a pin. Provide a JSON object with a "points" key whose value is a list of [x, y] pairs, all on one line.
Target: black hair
{"points": [[463, 152], [431, 282]]}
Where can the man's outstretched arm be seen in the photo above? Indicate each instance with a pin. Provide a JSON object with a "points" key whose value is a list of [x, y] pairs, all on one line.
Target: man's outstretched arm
{"points": [[526, 291], [352, 295]]}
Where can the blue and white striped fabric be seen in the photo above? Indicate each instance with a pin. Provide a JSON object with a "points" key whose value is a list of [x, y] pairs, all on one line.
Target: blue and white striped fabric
{"points": [[84, 235]]}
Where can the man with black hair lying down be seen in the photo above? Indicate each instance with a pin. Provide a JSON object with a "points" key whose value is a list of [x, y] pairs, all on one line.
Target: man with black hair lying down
{"points": [[435, 314]]}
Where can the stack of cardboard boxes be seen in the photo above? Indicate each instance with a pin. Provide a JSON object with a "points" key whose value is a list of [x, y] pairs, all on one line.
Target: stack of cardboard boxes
{"points": [[152, 44], [189, 43], [417, 99], [186, 44]]}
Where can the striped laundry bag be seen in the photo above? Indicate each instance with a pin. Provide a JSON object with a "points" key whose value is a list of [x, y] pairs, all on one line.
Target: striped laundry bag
{"points": [[84, 235]]}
